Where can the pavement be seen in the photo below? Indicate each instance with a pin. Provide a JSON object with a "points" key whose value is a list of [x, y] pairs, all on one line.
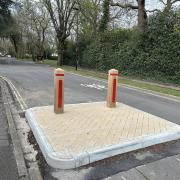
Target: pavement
{"points": [[8, 166], [165, 169], [35, 85]]}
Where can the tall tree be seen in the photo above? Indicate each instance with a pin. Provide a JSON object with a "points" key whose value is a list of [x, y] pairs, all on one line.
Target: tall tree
{"points": [[142, 16], [89, 17], [5, 15], [105, 17], [8, 25], [168, 4], [62, 14], [35, 24]]}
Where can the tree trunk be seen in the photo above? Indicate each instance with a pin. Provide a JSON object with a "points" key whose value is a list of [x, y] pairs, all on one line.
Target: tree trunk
{"points": [[168, 7], [40, 52], [33, 55], [60, 50], [14, 42], [105, 17], [142, 16]]}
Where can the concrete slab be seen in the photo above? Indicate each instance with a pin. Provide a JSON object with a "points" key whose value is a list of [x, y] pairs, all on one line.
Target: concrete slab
{"points": [[89, 132], [132, 174], [165, 169]]}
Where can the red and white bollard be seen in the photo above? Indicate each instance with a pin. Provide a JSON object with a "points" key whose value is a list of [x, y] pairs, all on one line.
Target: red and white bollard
{"points": [[112, 88], [59, 91]]}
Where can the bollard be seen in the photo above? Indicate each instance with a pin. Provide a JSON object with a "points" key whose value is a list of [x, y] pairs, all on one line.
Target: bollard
{"points": [[112, 88], [59, 91]]}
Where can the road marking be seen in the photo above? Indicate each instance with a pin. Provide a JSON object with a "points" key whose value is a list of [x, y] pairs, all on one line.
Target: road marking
{"points": [[9, 102], [178, 159], [108, 178], [123, 178], [145, 91], [16, 93], [95, 86]]}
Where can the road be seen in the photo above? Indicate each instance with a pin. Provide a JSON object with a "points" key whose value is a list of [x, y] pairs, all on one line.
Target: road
{"points": [[35, 84]]}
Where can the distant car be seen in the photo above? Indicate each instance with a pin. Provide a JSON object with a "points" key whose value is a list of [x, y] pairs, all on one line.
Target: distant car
{"points": [[8, 55]]}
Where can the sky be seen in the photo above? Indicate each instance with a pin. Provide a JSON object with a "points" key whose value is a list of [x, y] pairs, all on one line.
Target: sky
{"points": [[153, 4], [130, 21]]}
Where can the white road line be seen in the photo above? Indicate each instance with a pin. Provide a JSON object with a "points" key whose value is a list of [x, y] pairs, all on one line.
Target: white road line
{"points": [[16, 93], [108, 178], [95, 86], [178, 159], [145, 91], [123, 178]]}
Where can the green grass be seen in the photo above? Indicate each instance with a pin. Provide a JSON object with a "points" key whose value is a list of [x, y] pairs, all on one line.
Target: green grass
{"points": [[122, 80]]}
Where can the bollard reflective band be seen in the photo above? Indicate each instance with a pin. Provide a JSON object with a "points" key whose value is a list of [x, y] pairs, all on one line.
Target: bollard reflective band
{"points": [[114, 91], [114, 74], [59, 74], [60, 94]]}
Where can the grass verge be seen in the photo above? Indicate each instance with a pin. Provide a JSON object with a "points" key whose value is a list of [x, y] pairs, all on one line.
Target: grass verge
{"points": [[122, 80]]}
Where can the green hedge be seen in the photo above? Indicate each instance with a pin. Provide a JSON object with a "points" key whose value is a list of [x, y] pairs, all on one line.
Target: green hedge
{"points": [[153, 55]]}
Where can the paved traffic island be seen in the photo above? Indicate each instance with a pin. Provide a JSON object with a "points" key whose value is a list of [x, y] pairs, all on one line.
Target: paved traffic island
{"points": [[74, 135]]}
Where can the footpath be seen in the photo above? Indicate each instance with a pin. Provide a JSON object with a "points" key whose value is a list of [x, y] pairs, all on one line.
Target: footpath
{"points": [[8, 167], [165, 169], [17, 156]]}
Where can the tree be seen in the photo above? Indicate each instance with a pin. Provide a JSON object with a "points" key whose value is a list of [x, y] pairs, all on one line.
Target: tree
{"points": [[168, 4], [105, 18], [142, 12], [16, 40], [142, 16], [34, 24], [62, 14], [39, 22], [8, 25], [89, 17], [5, 15]]}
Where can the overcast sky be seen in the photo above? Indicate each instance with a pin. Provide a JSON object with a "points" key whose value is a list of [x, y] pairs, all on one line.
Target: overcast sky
{"points": [[129, 21], [153, 4]]}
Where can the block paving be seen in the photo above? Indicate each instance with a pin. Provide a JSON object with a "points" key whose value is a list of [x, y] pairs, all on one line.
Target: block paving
{"points": [[92, 126]]}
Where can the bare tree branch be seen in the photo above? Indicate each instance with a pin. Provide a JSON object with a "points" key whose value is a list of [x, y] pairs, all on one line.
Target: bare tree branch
{"points": [[154, 10], [124, 5], [62, 15], [162, 2], [175, 1]]}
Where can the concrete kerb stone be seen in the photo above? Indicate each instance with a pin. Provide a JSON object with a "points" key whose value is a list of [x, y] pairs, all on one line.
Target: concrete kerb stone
{"points": [[51, 157], [22, 171], [69, 161], [16, 96], [21, 144]]}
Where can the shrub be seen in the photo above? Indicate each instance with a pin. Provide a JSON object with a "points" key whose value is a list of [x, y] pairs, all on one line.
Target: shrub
{"points": [[152, 55]]}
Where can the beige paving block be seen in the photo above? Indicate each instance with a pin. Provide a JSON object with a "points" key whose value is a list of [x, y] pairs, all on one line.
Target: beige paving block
{"points": [[92, 126]]}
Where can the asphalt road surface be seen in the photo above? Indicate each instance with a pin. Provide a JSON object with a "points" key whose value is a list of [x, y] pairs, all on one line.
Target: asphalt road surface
{"points": [[35, 84]]}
